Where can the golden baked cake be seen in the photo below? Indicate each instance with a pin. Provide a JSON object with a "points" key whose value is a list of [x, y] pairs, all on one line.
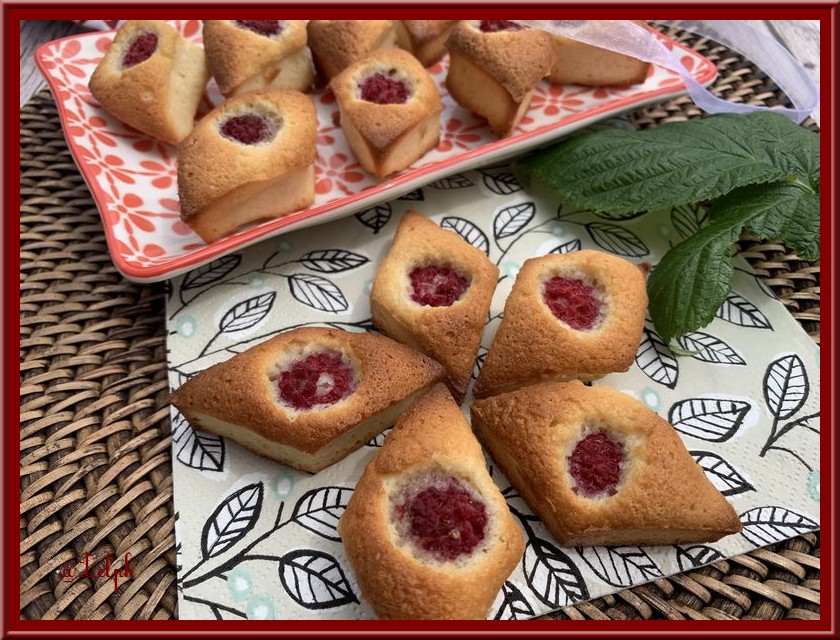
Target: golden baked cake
{"points": [[151, 79], [389, 109], [494, 66], [250, 159], [252, 55], [424, 39], [581, 63], [600, 468], [336, 44], [569, 316], [433, 292], [427, 532], [310, 396]]}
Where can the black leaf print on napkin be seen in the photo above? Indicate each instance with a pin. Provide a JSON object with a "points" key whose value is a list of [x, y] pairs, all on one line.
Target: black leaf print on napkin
{"points": [[318, 510], [708, 348], [551, 574], [736, 309], [765, 525], [376, 217], [615, 239], [232, 520], [315, 580], [514, 605], [656, 360], [317, 292], [500, 180], [332, 260], [211, 272], [365, 325], [468, 231], [720, 473], [416, 195], [248, 313], [196, 449], [379, 439], [479, 362], [620, 566], [697, 555], [708, 419], [567, 247], [457, 181], [785, 386], [688, 218], [606, 215], [512, 219]]}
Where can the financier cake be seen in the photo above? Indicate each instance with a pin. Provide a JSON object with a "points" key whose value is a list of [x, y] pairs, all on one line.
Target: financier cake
{"points": [[600, 468], [250, 159], [427, 532], [424, 39], [252, 55], [494, 66], [389, 109], [569, 316], [580, 63], [336, 44], [151, 79], [433, 292], [309, 396]]}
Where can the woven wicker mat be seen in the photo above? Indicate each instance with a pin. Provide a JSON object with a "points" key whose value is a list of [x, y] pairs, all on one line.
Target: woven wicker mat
{"points": [[95, 468]]}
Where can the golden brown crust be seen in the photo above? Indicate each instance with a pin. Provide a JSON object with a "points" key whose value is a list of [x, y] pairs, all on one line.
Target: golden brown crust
{"points": [[160, 95], [384, 128], [663, 498], [235, 54], [425, 39], [211, 165], [517, 60], [580, 63], [531, 345], [336, 44], [240, 391], [450, 335], [398, 584]]}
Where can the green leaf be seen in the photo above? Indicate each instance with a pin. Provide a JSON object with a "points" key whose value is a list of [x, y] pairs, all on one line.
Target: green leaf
{"points": [[693, 279], [781, 211], [620, 171]]}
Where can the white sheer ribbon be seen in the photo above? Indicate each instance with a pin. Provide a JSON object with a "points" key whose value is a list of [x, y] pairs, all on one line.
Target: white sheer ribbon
{"points": [[623, 36]]}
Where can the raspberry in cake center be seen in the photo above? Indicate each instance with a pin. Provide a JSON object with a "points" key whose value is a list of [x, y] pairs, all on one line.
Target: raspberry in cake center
{"points": [[572, 300], [319, 379], [437, 285], [492, 26], [249, 128], [595, 465], [441, 516], [266, 28], [381, 88], [141, 49]]}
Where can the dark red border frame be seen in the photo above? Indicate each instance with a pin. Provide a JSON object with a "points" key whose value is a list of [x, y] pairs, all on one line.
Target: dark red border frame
{"points": [[826, 627]]}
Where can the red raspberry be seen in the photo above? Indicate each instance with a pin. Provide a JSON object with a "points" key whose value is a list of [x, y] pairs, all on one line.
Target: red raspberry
{"points": [[381, 89], [437, 285], [492, 26], [141, 49], [595, 465], [573, 301], [266, 28], [445, 518], [249, 129], [319, 379]]}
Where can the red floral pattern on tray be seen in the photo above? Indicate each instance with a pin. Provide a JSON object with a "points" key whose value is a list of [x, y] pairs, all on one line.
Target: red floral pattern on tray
{"points": [[133, 178]]}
